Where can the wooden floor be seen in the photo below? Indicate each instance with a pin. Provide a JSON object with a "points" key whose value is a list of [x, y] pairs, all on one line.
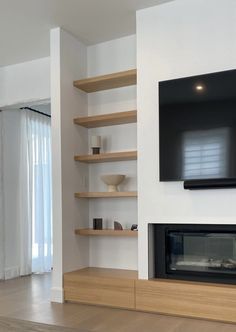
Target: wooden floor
{"points": [[28, 298]]}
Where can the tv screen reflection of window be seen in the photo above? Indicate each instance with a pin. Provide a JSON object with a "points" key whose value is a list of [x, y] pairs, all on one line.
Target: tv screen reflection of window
{"points": [[197, 127]]}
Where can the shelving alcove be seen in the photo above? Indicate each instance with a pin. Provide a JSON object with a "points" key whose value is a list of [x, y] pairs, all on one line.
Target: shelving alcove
{"points": [[99, 83], [116, 286]]}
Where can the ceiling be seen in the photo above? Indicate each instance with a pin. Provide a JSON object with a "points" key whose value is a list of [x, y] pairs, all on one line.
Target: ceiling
{"points": [[25, 24]]}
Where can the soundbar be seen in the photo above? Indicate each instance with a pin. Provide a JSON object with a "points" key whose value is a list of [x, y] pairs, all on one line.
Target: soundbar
{"points": [[210, 184]]}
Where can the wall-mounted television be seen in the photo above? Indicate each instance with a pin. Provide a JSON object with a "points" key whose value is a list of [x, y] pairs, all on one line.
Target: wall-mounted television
{"points": [[197, 127]]}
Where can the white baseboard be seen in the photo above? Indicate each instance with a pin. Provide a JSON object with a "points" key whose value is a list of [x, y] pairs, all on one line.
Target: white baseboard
{"points": [[57, 294]]}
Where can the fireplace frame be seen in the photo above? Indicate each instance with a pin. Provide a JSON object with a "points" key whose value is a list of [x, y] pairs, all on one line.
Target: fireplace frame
{"points": [[159, 248]]}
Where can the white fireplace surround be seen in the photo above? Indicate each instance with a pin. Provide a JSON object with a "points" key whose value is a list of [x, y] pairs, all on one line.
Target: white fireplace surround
{"points": [[178, 39]]}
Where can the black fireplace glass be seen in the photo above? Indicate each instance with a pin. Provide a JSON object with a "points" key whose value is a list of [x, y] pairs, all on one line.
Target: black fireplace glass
{"points": [[201, 252]]}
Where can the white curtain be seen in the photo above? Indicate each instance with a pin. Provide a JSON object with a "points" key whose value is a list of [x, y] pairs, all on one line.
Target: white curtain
{"points": [[39, 147], [25, 198], [35, 219], [25, 194], [39, 160]]}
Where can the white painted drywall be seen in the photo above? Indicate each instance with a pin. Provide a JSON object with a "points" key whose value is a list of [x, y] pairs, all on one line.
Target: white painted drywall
{"points": [[68, 63], [25, 82], [177, 39], [114, 56], [11, 159]]}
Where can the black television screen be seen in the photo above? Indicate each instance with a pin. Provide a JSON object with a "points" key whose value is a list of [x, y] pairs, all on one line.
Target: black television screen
{"points": [[197, 127]]}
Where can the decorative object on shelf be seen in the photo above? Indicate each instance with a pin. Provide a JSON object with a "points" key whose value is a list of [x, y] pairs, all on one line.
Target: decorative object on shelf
{"points": [[134, 227], [97, 223], [117, 226], [95, 142], [112, 181]]}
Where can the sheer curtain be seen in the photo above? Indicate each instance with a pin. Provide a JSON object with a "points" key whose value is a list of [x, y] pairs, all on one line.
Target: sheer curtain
{"points": [[25, 194], [35, 193], [24, 225], [39, 150]]}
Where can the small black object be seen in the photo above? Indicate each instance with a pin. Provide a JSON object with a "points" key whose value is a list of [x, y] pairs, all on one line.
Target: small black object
{"points": [[134, 227], [36, 111], [97, 223], [96, 150], [209, 184], [117, 226]]}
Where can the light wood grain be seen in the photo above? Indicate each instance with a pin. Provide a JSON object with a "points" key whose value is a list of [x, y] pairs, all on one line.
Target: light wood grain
{"points": [[105, 273], [101, 286], [197, 300], [107, 157], [106, 82], [106, 232], [28, 298], [18, 325], [104, 120], [106, 194]]}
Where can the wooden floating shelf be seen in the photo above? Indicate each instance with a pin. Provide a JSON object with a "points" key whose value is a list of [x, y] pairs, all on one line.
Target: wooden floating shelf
{"points": [[107, 157], [116, 194], [106, 232], [104, 120], [106, 82]]}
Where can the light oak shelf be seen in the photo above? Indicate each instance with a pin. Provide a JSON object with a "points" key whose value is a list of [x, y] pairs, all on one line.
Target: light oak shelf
{"points": [[107, 157], [106, 82], [106, 232], [106, 194], [104, 120]]}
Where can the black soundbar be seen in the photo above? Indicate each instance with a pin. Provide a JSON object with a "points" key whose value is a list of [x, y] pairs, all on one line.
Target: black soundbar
{"points": [[210, 184]]}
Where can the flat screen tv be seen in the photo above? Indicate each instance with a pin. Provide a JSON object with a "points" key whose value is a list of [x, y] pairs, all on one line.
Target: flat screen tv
{"points": [[197, 127]]}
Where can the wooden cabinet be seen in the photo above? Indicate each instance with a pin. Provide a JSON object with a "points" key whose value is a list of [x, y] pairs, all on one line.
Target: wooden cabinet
{"points": [[190, 299], [123, 289], [110, 287]]}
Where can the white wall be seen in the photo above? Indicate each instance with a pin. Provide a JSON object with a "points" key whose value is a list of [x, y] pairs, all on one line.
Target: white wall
{"points": [[177, 39], [25, 82], [11, 159], [68, 63], [113, 56]]}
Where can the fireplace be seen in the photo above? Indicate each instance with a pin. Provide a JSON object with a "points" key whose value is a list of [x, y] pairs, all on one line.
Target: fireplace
{"points": [[194, 252]]}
